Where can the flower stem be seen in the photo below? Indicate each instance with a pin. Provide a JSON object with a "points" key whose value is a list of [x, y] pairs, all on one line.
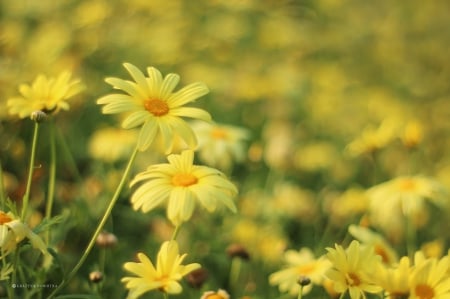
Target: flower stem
{"points": [[2, 189], [26, 196], [166, 296], [300, 293], [235, 271], [51, 181], [99, 227], [175, 232], [342, 295]]}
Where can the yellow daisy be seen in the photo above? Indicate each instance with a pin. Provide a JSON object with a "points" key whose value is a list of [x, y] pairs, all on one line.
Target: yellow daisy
{"points": [[394, 279], [164, 277], [352, 269], [45, 94], [300, 263], [152, 103], [380, 245], [220, 145], [182, 183], [13, 231], [430, 280], [220, 294]]}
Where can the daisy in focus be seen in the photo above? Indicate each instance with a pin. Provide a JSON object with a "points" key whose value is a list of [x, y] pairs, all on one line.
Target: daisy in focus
{"points": [[395, 279], [152, 103], [352, 269], [182, 183], [220, 145], [300, 263], [13, 231], [45, 94], [431, 280], [164, 277]]}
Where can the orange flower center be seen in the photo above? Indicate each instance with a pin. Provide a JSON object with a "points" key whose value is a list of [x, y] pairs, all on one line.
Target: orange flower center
{"points": [[218, 133], [353, 280], [424, 291], [407, 185], [4, 218], [379, 250], [156, 107], [184, 179]]}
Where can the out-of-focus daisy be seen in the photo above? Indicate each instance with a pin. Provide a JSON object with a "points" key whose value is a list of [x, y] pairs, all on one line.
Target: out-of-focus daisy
{"points": [[412, 134], [373, 139], [164, 277], [404, 197], [343, 207], [300, 263], [352, 269], [220, 294], [394, 279], [380, 245], [13, 231], [152, 103], [111, 144], [44, 94], [430, 280], [182, 183], [220, 145]]}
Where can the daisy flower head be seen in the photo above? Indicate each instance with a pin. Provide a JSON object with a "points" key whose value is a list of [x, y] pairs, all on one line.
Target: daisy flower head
{"points": [[430, 279], [220, 145], [164, 277], [45, 94], [220, 294], [151, 102], [13, 231], [352, 269], [300, 263], [394, 279], [182, 183]]}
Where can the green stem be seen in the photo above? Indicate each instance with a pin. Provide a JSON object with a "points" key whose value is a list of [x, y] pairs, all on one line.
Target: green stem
{"points": [[175, 233], [166, 296], [2, 189], [342, 295], [51, 181], [26, 196], [235, 272], [300, 293], [99, 227], [410, 237]]}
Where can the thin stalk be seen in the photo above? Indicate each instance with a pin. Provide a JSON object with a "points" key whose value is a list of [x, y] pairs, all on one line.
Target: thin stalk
{"points": [[51, 181], [26, 196], [2, 189], [175, 233], [300, 293], [99, 227], [166, 296], [342, 295], [235, 271]]}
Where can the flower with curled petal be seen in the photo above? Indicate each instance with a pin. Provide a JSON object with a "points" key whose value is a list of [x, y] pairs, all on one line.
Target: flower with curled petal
{"points": [[152, 103], [182, 183]]}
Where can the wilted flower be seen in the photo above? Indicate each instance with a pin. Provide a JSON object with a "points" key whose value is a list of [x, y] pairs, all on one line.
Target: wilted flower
{"points": [[13, 231], [164, 277]]}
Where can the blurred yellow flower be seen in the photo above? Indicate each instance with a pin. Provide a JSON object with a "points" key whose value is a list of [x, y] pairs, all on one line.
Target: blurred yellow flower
{"points": [[182, 183], [379, 244], [13, 231], [220, 145], [430, 280], [412, 134], [45, 94], [111, 144], [164, 277], [405, 196], [352, 269], [300, 263], [153, 104], [394, 279]]}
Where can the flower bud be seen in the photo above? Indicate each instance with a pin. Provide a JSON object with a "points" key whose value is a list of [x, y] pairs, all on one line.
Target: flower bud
{"points": [[38, 116], [96, 276], [106, 240], [237, 250]]}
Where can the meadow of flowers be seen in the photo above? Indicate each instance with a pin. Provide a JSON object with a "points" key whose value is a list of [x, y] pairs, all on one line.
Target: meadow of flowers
{"points": [[216, 149]]}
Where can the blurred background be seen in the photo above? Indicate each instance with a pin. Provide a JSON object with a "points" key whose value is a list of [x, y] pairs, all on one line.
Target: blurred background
{"points": [[337, 96]]}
